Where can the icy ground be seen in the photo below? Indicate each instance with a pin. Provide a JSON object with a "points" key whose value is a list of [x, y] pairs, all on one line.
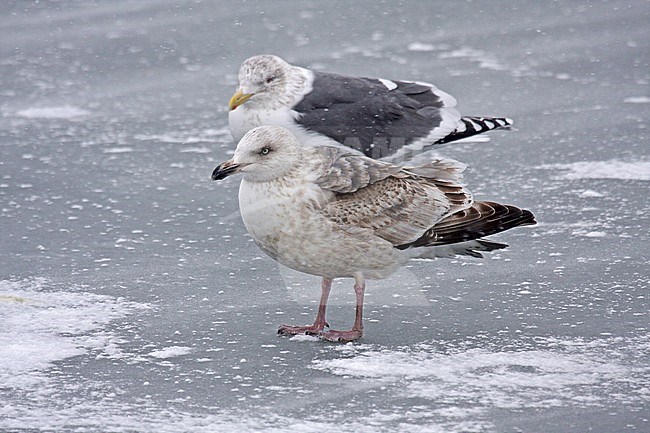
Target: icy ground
{"points": [[132, 299]]}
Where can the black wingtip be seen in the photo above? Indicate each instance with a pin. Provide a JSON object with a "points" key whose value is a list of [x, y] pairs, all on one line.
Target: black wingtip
{"points": [[473, 125], [482, 219]]}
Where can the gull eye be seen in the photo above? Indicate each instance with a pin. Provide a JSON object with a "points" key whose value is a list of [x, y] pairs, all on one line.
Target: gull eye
{"points": [[264, 151], [270, 80]]}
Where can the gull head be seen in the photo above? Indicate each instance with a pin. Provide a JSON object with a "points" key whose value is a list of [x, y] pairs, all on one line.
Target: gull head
{"points": [[264, 154], [263, 80]]}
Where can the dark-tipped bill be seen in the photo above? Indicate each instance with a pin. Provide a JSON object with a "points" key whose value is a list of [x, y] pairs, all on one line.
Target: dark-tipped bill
{"points": [[238, 99], [226, 169]]}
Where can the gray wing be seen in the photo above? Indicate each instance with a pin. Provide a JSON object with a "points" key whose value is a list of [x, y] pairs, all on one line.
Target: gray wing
{"points": [[397, 204], [364, 114]]}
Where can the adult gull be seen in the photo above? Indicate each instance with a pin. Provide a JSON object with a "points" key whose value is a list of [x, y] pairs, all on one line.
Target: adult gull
{"points": [[330, 212], [381, 118]]}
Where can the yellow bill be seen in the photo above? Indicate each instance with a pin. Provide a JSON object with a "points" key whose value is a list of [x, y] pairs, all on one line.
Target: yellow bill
{"points": [[238, 99]]}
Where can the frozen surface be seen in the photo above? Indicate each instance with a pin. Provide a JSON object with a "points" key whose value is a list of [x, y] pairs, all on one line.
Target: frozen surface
{"points": [[612, 169], [132, 299]]}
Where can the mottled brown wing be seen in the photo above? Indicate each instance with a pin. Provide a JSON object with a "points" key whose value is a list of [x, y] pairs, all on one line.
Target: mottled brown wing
{"points": [[398, 205]]}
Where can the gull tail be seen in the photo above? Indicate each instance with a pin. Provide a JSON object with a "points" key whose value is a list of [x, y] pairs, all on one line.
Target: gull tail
{"points": [[460, 233], [469, 126], [469, 248]]}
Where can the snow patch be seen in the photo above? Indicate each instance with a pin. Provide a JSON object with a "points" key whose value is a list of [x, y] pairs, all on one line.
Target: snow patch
{"points": [[541, 372], [484, 60], [613, 169], [60, 112], [588, 193], [420, 46], [211, 135], [201, 149], [304, 337], [637, 100], [112, 150], [41, 326], [589, 234], [162, 138], [171, 352]]}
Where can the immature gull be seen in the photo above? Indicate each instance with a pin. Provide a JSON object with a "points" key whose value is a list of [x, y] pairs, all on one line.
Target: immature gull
{"points": [[331, 212], [381, 118]]}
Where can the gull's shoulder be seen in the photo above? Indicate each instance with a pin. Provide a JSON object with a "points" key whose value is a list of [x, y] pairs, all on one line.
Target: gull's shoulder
{"points": [[345, 171]]}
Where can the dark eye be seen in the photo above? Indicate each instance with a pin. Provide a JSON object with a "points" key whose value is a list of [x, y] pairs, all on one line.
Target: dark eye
{"points": [[270, 80], [264, 151]]}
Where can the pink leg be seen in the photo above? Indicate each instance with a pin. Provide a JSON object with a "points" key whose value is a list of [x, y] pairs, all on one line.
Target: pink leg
{"points": [[357, 330], [320, 323]]}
